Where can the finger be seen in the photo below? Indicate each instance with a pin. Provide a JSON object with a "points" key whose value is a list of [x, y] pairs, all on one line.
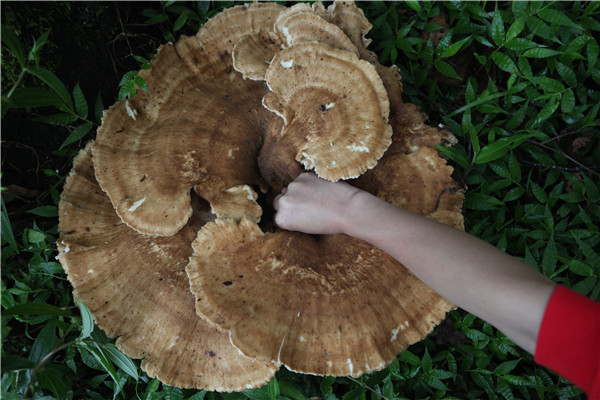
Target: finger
{"points": [[276, 201]]}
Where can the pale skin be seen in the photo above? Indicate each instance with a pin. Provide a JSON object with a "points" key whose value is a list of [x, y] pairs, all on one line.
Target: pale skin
{"points": [[467, 271]]}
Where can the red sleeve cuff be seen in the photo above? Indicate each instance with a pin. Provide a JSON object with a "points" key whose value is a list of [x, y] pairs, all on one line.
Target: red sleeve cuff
{"points": [[569, 339]]}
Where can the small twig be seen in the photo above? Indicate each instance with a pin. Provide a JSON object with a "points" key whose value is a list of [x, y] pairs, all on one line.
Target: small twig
{"points": [[583, 167], [41, 364], [564, 133], [569, 169], [367, 387]]}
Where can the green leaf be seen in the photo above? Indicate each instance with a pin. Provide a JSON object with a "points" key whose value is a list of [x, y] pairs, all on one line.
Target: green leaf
{"points": [[355, 394], [549, 258], [499, 148], [52, 379], [77, 134], [540, 52], [580, 268], [273, 389], [54, 83], [33, 98], [514, 193], [480, 201], [408, 357], [34, 236], [517, 119], [141, 83], [6, 231], [517, 380], [414, 4], [506, 367], [592, 53], [152, 387], [10, 39], [198, 396], [556, 17], [80, 102], [547, 110], [36, 309], [45, 211], [11, 362], [87, 320], [45, 342], [57, 119], [180, 22], [538, 192], [519, 44], [456, 155], [454, 48], [567, 74], [505, 63], [497, 28], [157, 19], [446, 69], [291, 391], [567, 103], [515, 29], [591, 256], [121, 360], [547, 84]]}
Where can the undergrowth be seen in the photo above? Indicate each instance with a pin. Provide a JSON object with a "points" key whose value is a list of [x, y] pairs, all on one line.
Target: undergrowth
{"points": [[517, 83]]}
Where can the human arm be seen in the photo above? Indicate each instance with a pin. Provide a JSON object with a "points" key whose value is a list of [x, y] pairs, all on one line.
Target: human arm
{"points": [[465, 270]]}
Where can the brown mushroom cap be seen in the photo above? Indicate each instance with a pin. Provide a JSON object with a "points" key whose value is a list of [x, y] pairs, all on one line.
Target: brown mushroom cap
{"points": [[237, 202], [333, 105], [252, 55], [300, 24], [330, 305], [208, 53], [200, 127], [136, 288]]}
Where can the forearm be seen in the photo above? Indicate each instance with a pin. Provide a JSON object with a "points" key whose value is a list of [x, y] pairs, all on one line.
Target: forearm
{"points": [[467, 271]]}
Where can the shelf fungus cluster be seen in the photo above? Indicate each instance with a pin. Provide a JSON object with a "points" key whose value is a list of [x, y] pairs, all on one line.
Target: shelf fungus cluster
{"points": [[166, 218]]}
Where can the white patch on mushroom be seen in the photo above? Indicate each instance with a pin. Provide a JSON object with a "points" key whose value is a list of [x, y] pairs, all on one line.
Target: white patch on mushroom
{"points": [[333, 163], [274, 111], [394, 334], [130, 112], [287, 64], [328, 106], [362, 147], [67, 249], [288, 37], [279, 353], [230, 152], [351, 366], [250, 193], [302, 339], [136, 205], [174, 342], [298, 314], [308, 162], [90, 271], [441, 126], [331, 144], [414, 148]]}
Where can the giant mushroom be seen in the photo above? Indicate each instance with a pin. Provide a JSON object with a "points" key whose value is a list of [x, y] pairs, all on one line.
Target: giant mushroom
{"points": [[235, 113]]}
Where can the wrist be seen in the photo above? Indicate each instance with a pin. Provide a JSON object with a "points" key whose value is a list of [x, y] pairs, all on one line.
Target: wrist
{"points": [[353, 219]]}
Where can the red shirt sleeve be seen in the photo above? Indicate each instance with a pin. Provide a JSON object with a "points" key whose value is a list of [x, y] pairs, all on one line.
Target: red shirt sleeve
{"points": [[569, 339]]}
